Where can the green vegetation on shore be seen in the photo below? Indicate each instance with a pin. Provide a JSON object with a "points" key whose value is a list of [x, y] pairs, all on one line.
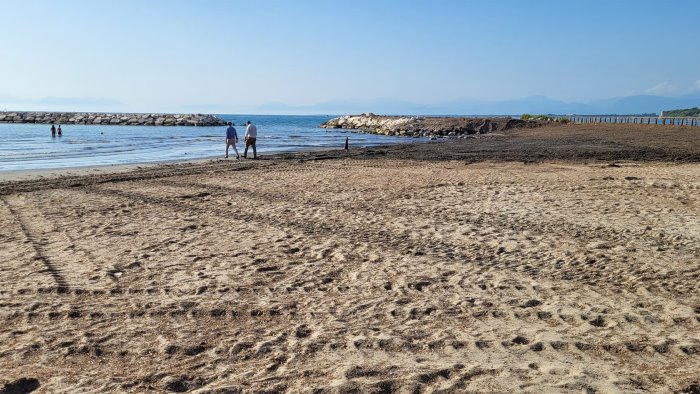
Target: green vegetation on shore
{"points": [[683, 112], [543, 117]]}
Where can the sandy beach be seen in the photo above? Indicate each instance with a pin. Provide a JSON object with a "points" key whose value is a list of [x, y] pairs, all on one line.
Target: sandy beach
{"points": [[556, 259]]}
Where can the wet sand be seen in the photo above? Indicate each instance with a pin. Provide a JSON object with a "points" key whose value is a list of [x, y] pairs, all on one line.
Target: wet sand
{"points": [[560, 259]]}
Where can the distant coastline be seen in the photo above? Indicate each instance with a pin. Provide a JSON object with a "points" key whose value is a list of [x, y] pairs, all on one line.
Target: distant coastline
{"points": [[103, 118]]}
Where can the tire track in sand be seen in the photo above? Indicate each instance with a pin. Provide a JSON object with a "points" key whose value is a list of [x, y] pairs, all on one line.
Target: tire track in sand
{"points": [[38, 242]]}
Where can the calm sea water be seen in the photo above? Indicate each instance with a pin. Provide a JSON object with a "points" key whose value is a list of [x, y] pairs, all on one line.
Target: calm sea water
{"points": [[30, 146]]}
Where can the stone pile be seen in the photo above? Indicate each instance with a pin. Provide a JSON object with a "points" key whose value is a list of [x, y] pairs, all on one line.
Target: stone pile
{"points": [[426, 126], [111, 119]]}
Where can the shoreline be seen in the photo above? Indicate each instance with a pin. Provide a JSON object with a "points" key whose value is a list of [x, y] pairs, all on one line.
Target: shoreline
{"points": [[605, 144], [106, 169]]}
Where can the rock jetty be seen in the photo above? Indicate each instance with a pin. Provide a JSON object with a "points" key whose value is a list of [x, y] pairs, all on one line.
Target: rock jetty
{"points": [[111, 118], [426, 126]]}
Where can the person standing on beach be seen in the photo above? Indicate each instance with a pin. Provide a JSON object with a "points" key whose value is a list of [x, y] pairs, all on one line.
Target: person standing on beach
{"points": [[231, 139], [60, 132], [53, 130], [251, 134]]}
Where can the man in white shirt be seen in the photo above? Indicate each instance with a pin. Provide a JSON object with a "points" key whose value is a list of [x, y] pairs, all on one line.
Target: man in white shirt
{"points": [[251, 133]]}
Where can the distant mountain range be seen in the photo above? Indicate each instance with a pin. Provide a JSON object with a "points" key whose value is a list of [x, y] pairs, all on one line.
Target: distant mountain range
{"points": [[639, 104]]}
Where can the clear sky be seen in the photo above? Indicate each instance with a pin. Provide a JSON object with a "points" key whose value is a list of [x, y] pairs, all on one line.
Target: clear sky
{"points": [[247, 56]]}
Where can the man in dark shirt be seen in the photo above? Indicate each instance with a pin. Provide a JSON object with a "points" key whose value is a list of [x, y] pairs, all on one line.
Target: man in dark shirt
{"points": [[231, 139]]}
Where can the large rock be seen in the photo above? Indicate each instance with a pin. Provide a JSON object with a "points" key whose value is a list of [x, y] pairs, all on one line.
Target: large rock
{"points": [[112, 119], [422, 126]]}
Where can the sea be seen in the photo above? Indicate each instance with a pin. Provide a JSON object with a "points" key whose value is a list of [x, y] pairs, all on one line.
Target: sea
{"points": [[31, 147]]}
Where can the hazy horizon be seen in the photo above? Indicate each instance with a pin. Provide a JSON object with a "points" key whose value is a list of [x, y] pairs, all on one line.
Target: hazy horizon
{"points": [[632, 105]]}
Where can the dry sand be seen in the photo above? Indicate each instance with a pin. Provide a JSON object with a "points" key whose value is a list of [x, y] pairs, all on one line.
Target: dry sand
{"points": [[373, 272]]}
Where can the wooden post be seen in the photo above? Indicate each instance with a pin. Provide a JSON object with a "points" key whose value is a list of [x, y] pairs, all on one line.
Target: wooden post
{"points": [[346, 143]]}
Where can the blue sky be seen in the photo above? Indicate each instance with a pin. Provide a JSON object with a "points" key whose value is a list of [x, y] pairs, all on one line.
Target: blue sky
{"points": [[247, 56]]}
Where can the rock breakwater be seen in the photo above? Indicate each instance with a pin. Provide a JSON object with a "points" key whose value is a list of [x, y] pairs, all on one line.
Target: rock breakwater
{"points": [[111, 118], [426, 126]]}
